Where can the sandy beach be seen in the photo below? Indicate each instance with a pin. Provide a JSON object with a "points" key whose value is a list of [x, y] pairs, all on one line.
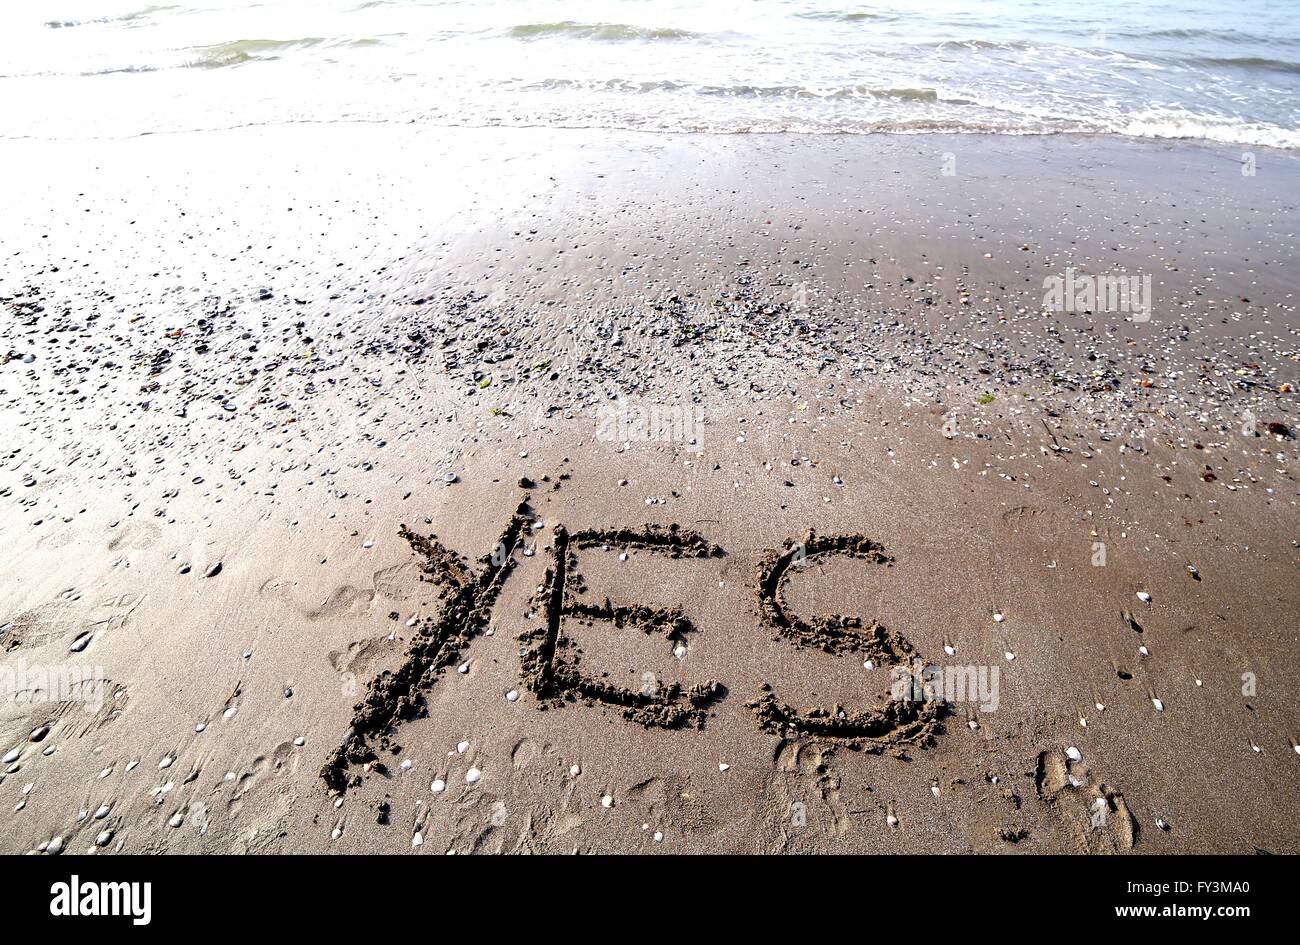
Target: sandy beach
{"points": [[571, 491]]}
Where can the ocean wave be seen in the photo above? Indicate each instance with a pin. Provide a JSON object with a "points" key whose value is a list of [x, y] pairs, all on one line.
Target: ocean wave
{"points": [[1250, 63], [1234, 37], [613, 32], [120, 18], [845, 16], [239, 51], [746, 91]]}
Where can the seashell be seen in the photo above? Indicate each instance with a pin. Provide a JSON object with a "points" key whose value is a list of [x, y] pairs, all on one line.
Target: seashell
{"points": [[472, 776]]}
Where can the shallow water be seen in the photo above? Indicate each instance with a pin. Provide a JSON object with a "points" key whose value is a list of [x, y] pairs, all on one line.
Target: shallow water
{"points": [[1222, 71]]}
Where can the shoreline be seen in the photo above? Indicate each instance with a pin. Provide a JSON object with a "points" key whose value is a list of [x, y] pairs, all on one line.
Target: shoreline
{"points": [[1102, 137]]}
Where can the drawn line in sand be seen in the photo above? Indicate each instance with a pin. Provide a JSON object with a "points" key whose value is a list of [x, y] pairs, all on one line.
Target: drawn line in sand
{"points": [[893, 723], [555, 680], [393, 697]]}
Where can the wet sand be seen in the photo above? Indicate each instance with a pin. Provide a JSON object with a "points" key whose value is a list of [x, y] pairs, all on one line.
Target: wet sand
{"points": [[239, 362]]}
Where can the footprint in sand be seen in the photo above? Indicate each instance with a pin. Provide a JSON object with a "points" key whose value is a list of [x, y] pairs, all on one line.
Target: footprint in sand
{"points": [[801, 806], [134, 536], [400, 582], [1093, 817], [344, 601]]}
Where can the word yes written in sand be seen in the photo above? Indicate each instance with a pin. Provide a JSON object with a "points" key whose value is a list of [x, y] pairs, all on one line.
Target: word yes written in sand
{"points": [[549, 670]]}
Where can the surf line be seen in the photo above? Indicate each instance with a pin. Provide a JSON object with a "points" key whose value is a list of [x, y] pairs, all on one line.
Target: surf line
{"points": [[469, 594]]}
